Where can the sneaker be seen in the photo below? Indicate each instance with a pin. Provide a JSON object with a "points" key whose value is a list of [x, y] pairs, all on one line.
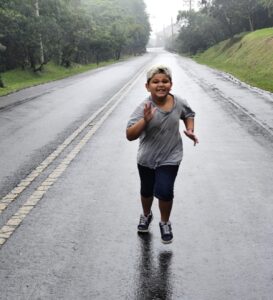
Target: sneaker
{"points": [[166, 232], [144, 222]]}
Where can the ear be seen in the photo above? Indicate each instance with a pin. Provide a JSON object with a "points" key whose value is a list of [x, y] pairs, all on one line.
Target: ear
{"points": [[147, 87]]}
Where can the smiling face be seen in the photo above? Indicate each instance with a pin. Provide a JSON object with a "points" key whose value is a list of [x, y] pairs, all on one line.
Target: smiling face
{"points": [[159, 86]]}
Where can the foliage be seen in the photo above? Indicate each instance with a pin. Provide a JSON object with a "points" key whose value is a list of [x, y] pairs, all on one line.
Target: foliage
{"points": [[35, 32], [268, 4], [200, 32], [219, 20]]}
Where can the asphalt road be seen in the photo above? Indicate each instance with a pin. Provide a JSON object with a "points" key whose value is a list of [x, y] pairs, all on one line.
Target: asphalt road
{"points": [[71, 233]]}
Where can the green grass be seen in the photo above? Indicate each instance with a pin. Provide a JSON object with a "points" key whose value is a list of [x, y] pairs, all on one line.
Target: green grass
{"points": [[18, 79], [248, 56]]}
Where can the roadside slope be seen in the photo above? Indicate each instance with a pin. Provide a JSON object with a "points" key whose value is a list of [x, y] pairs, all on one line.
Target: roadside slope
{"points": [[248, 57]]}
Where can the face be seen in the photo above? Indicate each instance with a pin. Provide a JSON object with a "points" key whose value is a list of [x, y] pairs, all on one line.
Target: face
{"points": [[159, 86]]}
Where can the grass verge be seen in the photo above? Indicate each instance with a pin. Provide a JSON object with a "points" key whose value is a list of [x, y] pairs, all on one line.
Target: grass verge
{"points": [[18, 79], [247, 57]]}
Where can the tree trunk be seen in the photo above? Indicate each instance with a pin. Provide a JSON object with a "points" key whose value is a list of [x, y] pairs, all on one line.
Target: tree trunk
{"points": [[1, 82], [117, 54], [41, 47], [97, 58], [31, 59], [251, 25], [228, 25]]}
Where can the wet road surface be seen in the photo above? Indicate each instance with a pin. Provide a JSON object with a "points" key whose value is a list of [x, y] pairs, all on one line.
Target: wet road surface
{"points": [[80, 240]]}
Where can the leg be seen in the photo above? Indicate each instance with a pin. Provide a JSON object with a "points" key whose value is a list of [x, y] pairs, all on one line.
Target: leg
{"points": [[147, 179], [165, 208], [147, 190], [146, 204], [164, 185], [147, 216]]}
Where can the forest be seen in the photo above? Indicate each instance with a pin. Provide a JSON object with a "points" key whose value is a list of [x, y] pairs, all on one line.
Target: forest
{"points": [[66, 32], [218, 20]]}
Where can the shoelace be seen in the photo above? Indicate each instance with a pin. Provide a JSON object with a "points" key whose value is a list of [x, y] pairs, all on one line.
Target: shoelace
{"points": [[142, 220], [166, 228]]}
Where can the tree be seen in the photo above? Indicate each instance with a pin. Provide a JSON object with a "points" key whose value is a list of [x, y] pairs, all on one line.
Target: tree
{"points": [[40, 42], [218, 20], [228, 14], [198, 32], [71, 31], [248, 9], [2, 49], [268, 4], [239, 16]]}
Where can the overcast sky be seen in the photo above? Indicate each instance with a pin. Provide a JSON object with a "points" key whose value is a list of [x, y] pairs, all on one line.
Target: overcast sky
{"points": [[162, 11]]}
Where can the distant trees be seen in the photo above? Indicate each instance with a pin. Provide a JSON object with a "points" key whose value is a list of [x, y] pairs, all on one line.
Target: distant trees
{"points": [[268, 4], [221, 19], [70, 31], [198, 32]]}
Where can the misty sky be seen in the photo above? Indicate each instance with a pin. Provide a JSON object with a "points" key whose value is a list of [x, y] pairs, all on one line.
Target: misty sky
{"points": [[161, 12]]}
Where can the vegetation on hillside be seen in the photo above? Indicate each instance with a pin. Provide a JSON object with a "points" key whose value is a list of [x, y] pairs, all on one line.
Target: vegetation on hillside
{"points": [[218, 20], [246, 56]]}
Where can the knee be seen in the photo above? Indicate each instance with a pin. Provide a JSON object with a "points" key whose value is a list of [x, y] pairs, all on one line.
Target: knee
{"points": [[164, 194]]}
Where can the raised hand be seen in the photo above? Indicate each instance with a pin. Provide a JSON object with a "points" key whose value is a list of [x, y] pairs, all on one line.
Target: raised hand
{"points": [[149, 112]]}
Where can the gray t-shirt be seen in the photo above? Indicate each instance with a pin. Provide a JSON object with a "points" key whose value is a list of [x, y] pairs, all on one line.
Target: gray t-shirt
{"points": [[161, 143]]}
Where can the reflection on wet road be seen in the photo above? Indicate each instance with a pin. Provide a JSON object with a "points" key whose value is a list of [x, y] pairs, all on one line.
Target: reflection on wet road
{"points": [[154, 273]]}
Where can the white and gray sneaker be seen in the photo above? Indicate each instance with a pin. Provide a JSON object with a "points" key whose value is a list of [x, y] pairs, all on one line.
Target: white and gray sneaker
{"points": [[144, 222]]}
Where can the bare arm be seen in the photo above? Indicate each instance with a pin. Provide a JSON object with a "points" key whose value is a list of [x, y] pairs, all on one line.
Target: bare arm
{"points": [[133, 132], [189, 132]]}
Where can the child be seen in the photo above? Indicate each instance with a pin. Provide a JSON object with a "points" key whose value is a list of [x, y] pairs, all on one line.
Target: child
{"points": [[156, 123]]}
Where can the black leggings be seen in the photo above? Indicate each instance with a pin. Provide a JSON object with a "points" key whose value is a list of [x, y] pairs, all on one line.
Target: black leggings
{"points": [[158, 182]]}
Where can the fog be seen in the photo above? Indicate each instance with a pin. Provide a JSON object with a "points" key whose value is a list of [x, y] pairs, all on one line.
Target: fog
{"points": [[162, 12]]}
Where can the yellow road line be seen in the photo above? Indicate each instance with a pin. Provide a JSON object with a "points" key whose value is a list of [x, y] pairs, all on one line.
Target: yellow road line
{"points": [[8, 229], [14, 193]]}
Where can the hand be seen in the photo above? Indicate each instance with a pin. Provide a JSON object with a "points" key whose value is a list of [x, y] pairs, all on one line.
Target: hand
{"points": [[149, 112], [190, 134]]}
